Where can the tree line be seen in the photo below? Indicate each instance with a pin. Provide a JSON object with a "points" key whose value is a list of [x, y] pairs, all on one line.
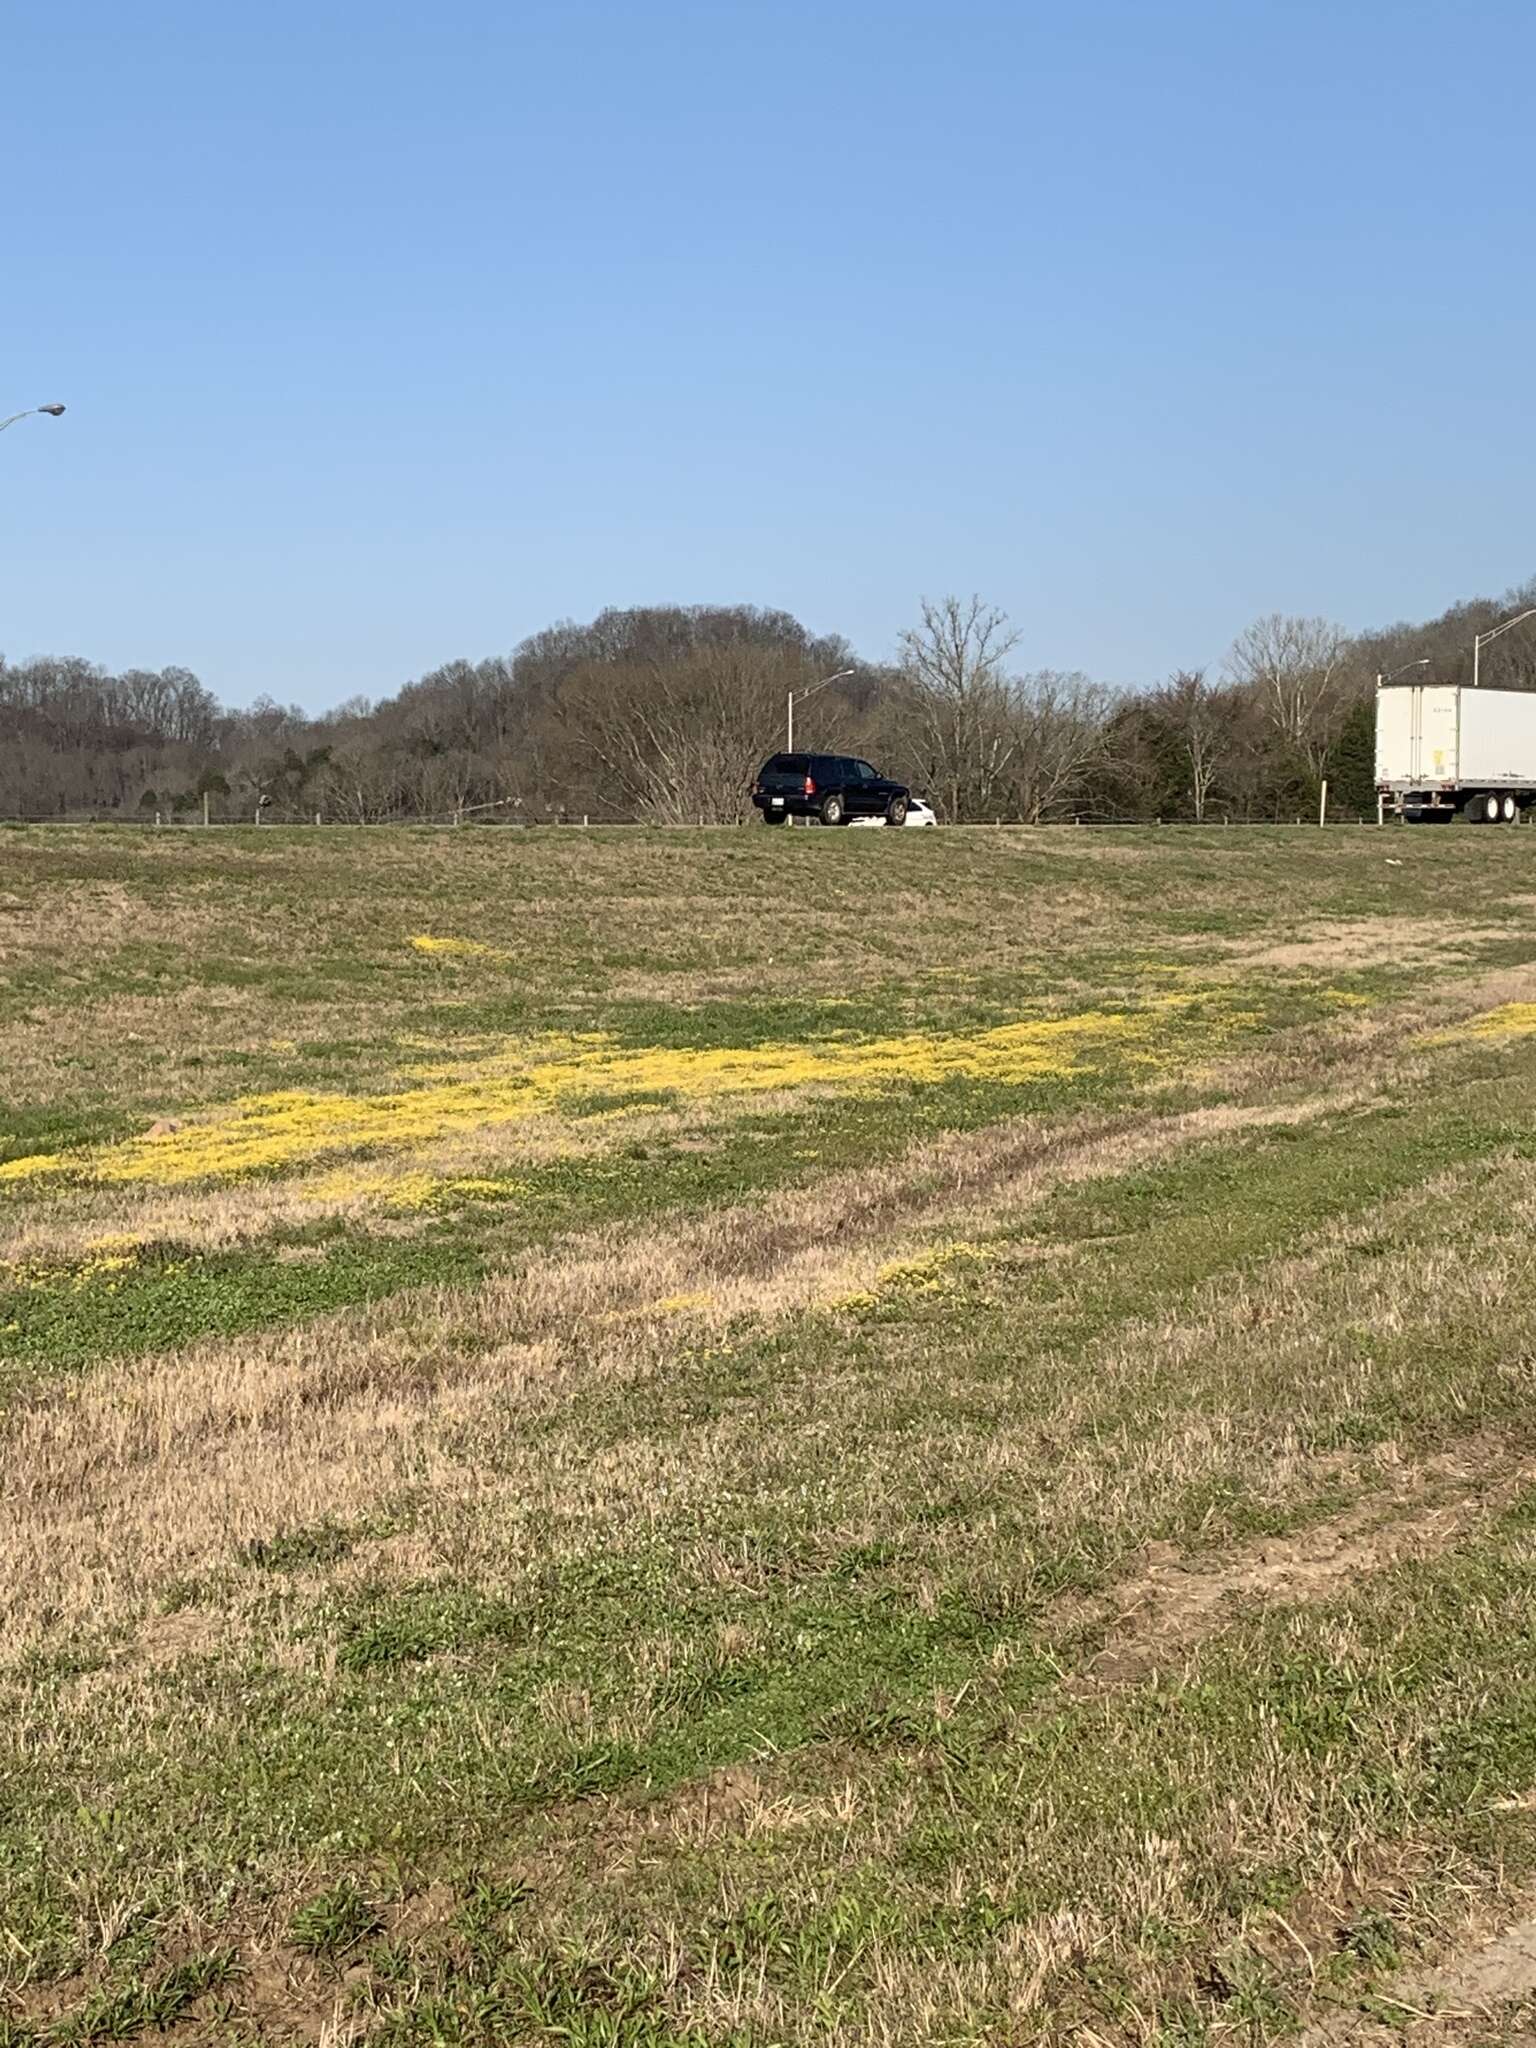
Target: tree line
{"points": [[661, 714]]}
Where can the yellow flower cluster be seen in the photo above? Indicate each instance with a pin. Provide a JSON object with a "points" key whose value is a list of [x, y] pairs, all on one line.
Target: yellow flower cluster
{"points": [[290, 1126], [33, 1166], [32, 1276], [456, 949], [925, 1273], [1509, 1020]]}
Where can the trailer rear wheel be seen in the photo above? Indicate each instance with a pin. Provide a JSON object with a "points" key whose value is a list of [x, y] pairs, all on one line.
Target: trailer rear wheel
{"points": [[1481, 810], [1509, 810]]}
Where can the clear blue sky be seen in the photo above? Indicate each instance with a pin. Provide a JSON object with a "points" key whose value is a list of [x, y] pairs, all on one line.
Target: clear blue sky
{"points": [[394, 332]]}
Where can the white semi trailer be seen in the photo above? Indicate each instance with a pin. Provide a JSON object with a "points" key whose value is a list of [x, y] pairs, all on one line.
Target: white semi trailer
{"points": [[1442, 748]]}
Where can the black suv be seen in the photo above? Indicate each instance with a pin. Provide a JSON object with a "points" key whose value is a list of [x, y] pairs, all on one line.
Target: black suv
{"points": [[831, 787]]}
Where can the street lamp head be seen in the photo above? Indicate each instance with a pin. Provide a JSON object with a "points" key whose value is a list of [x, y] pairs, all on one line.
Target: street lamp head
{"points": [[52, 410]]}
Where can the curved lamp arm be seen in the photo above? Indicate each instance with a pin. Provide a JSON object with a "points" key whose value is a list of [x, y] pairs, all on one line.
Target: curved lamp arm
{"points": [[52, 410]]}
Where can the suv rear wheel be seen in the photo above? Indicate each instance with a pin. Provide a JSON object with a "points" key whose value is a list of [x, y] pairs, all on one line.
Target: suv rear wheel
{"points": [[775, 817], [896, 811], [832, 810]]}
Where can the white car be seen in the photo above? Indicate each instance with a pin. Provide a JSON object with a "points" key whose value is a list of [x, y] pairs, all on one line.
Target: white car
{"points": [[918, 813]]}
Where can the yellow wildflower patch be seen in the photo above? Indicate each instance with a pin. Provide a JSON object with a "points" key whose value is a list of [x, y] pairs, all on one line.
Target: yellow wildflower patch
{"points": [[456, 949], [1509, 1020], [34, 1165], [23, 1276], [289, 1126], [924, 1273], [401, 1191], [679, 1304]]}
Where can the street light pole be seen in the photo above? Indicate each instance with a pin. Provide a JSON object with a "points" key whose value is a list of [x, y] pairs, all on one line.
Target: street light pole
{"points": [[1479, 640], [53, 412], [1423, 662], [800, 697]]}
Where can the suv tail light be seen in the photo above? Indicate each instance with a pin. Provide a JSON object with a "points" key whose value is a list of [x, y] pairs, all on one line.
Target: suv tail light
{"points": [[810, 787]]}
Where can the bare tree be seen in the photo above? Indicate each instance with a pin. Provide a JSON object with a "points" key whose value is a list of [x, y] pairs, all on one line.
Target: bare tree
{"points": [[1297, 669], [670, 711], [1058, 723], [1199, 721], [362, 786], [677, 741], [960, 701]]}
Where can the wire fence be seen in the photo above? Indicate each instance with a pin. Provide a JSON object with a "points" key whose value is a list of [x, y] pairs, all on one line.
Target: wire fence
{"points": [[128, 821]]}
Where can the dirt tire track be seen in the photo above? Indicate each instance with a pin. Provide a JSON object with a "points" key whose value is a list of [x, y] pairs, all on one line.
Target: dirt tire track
{"points": [[1176, 1607], [1474, 1988], [1169, 1606]]}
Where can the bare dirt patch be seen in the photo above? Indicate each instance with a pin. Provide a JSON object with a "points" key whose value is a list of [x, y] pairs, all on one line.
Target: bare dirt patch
{"points": [[721, 1800], [1369, 942], [1481, 1993], [189, 1632]]}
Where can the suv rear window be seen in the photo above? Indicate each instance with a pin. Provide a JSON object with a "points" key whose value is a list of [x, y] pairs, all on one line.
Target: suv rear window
{"points": [[788, 764]]}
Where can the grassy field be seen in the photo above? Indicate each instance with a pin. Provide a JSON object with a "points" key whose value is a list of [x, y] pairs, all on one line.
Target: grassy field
{"points": [[639, 1439]]}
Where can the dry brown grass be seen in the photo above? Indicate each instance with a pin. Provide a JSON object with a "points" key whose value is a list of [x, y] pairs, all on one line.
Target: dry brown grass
{"points": [[1371, 942], [154, 1470], [970, 1452], [82, 908], [161, 1046]]}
